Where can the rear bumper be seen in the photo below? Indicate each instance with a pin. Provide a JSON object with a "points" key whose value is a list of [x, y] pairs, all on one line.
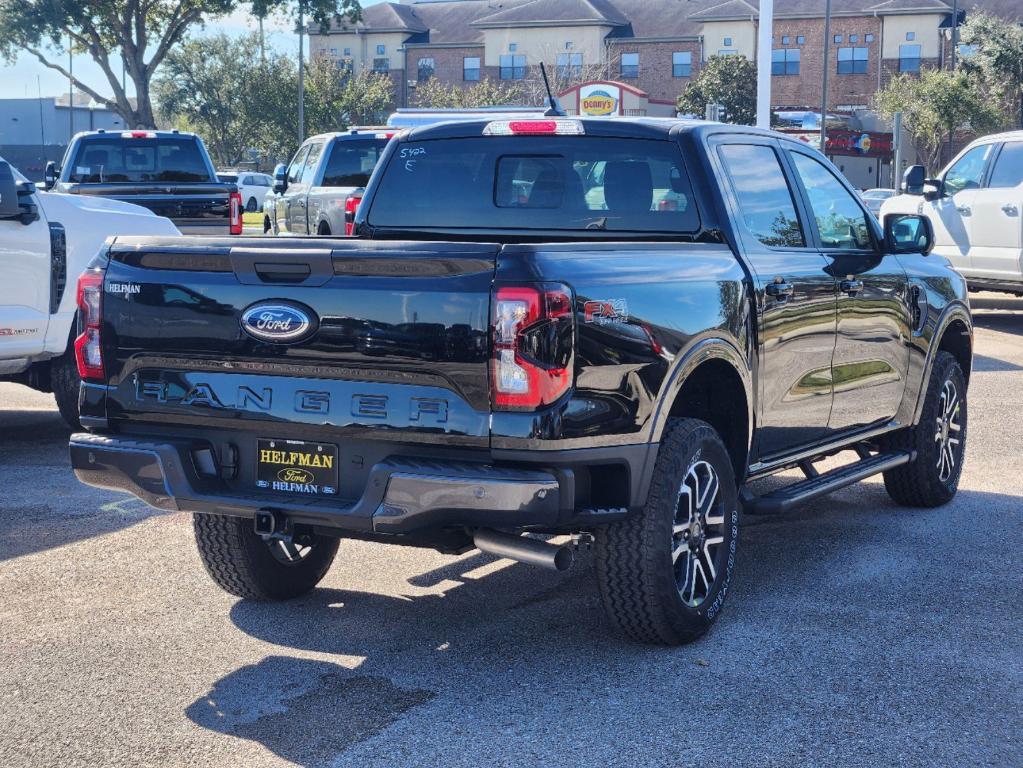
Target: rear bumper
{"points": [[402, 495]]}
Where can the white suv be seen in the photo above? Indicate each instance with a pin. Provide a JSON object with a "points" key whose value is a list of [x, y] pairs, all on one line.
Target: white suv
{"points": [[976, 207]]}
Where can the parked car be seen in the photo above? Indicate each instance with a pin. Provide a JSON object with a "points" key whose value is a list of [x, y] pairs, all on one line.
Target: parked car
{"points": [[252, 187], [975, 206], [874, 197], [478, 366], [46, 241], [168, 172], [318, 192]]}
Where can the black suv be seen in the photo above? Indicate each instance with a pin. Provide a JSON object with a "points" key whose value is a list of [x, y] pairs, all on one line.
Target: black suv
{"points": [[597, 328]]}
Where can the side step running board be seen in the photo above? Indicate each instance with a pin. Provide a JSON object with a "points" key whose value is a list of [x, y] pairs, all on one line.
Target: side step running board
{"points": [[816, 485]]}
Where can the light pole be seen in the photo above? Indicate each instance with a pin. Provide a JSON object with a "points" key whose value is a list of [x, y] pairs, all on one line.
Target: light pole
{"points": [[765, 37], [301, 72], [824, 95]]}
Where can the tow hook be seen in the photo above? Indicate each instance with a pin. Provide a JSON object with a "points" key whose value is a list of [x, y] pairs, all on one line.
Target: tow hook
{"points": [[272, 525]]}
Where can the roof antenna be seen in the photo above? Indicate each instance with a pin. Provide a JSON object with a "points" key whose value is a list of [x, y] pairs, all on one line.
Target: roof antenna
{"points": [[554, 110]]}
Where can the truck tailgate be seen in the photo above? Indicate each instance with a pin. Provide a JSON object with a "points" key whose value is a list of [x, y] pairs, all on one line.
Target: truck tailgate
{"points": [[212, 333], [196, 209]]}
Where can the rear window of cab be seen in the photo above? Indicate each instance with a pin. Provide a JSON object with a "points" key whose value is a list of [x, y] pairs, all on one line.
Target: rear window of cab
{"points": [[576, 183]]}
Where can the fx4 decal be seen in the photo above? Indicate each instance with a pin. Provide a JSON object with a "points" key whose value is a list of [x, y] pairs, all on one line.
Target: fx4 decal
{"points": [[606, 311]]}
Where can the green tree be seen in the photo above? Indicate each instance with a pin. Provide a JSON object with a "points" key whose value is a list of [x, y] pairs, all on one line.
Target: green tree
{"points": [[997, 60], [936, 104], [141, 33], [484, 93], [337, 99], [199, 88], [727, 80]]}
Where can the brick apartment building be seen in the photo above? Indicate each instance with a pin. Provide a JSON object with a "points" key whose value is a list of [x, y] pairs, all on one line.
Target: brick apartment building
{"points": [[655, 46]]}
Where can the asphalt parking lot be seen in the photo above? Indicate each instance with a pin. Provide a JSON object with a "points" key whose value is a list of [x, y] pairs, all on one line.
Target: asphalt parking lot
{"points": [[858, 633]]}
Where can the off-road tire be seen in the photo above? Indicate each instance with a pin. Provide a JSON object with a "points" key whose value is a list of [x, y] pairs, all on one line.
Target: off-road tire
{"points": [[267, 226], [251, 206], [635, 567], [66, 384], [323, 229], [241, 562], [918, 484]]}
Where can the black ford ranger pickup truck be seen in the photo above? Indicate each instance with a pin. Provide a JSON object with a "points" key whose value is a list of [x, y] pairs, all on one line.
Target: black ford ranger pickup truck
{"points": [[168, 172], [597, 328]]}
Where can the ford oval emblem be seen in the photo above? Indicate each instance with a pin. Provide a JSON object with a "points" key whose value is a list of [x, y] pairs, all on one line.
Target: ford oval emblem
{"points": [[278, 321]]}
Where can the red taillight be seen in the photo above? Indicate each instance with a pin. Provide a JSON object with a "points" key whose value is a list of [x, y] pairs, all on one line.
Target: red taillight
{"points": [[88, 348], [533, 330], [236, 213], [351, 206]]}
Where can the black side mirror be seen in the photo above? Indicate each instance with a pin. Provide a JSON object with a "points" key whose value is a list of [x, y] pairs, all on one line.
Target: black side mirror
{"points": [[50, 174], [913, 180], [280, 178], [908, 233]]}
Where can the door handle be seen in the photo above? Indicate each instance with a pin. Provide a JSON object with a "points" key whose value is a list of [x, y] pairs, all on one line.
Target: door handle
{"points": [[851, 287], [1010, 210], [964, 210], [779, 289]]}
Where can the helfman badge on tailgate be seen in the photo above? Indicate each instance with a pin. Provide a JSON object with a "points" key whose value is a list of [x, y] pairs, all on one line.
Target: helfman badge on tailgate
{"points": [[279, 321]]}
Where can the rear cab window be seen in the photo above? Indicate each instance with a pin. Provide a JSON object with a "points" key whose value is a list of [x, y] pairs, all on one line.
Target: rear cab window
{"points": [[112, 159], [352, 161], [566, 183]]}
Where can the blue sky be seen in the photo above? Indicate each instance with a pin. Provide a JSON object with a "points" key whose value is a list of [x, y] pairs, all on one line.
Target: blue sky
{"points": [[26, 76]]}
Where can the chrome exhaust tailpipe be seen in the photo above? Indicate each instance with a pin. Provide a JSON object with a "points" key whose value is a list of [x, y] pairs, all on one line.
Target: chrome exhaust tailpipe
{"points": [[554, 557]]}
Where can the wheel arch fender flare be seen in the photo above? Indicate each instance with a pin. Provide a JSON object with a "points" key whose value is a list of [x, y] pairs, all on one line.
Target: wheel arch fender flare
{"points": [[700, 353], [954, 311]]}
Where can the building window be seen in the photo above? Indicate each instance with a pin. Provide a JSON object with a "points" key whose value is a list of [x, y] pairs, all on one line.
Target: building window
{"points": [[512, 47], [727, 42], [785, 40], [800, 40], [966, 51], [910, 36], [785, 61], [381, 65], [569, 45], [570, 65], [471, 68], [854, 38], [513, 67], [852, 61], [333, 51], [348, 51], [868, 38], [681, 64], [381, 50], [909, 58], [425, 70], [838, 38], [630, 66]]}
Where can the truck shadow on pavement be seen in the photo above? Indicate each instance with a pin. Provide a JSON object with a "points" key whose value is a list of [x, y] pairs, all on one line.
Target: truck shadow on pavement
{"points": [[43, 505], [845, 576], [1003, 314]]}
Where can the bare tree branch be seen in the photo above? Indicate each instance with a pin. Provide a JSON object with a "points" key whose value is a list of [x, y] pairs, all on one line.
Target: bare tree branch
{"points": [[78, 83]]}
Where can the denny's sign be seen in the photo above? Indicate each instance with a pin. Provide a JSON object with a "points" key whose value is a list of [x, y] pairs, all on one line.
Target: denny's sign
{"points": [[600, 100]]}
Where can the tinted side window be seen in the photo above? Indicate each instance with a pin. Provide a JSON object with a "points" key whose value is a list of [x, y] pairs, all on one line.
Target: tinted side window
{"points": [[765, 201], [311, 161], [1008, 170], [840, 219], [295, 169], [968, 171]]}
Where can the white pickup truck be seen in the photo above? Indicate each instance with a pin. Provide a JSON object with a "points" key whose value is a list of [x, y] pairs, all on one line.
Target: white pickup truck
{"points": [[46, 241], [976, 208]]}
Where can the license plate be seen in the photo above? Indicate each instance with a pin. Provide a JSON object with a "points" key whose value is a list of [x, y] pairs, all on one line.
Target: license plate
{"points": [[297, 466]]}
